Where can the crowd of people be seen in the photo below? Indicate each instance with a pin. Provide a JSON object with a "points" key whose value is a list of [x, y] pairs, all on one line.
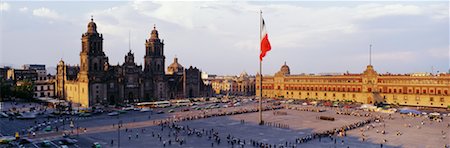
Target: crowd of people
{"points": [[277, 125], [352, 113], [308, 109], [341, 131], [215, 114]]}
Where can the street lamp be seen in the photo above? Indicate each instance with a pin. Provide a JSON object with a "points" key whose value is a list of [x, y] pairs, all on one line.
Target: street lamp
{"points": [[71, 125], [118, 133]]}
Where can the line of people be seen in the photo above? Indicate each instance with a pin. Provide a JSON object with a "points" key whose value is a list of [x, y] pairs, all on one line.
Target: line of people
{"points": [[308, 109]]}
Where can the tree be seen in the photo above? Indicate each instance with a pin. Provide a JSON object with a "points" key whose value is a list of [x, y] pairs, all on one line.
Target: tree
{"points": [[24, 89], [6, 90]]}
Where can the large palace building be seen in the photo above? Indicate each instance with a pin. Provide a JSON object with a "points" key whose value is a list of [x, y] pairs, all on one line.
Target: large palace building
{"points": [[95, 81], [368, 87]]}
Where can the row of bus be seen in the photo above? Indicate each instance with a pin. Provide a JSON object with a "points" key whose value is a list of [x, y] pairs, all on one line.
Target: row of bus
{"points": [[163, 104]]}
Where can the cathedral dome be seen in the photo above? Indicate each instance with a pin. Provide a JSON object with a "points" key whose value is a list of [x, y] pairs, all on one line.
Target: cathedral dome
{"points": [[154, 35], [92, 27], [175, 67]]}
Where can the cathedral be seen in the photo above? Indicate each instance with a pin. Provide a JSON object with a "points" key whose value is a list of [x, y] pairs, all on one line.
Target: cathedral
{"points": [[95, 82]]}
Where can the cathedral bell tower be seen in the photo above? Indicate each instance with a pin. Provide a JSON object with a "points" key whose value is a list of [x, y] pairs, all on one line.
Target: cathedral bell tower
{"points": [[154, 60], [154, 54], [92, 57]]}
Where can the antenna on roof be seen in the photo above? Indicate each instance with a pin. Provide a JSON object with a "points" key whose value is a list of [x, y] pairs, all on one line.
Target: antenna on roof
{"points": [[370, 54], [129, 39]]}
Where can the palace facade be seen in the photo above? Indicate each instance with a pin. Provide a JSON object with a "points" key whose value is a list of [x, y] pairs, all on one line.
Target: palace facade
{"points": [[367, 87], [95, 81]]}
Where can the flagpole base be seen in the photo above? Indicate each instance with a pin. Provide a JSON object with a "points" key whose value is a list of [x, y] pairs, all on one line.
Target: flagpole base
{"points": [[261, 123]]}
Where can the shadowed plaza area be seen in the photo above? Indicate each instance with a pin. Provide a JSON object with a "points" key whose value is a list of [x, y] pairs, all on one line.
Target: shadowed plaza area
{"points": [[225, 126], [285, 126], [282, 129]]}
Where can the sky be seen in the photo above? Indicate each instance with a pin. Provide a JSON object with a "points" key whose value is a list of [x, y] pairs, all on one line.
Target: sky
{"points": [[222, 37]]}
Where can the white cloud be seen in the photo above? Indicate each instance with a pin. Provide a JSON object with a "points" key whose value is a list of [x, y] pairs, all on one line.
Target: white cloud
{"points": [[46, 13], [439, 52], [370, 11], [23, 9], [4, 6], [298, 27], [393, 55], [296, 30], [439, 12]]}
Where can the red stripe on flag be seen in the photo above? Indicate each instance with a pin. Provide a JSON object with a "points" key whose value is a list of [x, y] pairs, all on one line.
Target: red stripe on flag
{"points": [[265, 46]]}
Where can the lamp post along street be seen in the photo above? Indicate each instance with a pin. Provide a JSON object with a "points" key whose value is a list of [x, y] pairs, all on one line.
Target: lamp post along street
{"points": [[118, 133]]}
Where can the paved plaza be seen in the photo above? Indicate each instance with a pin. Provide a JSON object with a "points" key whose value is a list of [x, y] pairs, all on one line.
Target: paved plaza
{"points": [[283, 128]]}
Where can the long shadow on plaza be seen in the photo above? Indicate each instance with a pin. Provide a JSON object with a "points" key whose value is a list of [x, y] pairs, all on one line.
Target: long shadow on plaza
{"points": [[225, 126]]}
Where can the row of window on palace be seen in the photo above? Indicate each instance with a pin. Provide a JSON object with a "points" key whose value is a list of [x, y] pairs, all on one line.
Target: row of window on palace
{"points": [[348, 89], [395, 81], [405, 98]]}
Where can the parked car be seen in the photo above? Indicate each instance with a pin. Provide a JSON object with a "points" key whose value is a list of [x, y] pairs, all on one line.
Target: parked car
{"points": [[3, 115], [128, 108], [48, 128], [6, 139], [122, 111], [85, 115], [24, 141], [96, 145], [46, 143], [113, 114], [145, 110], [67, 141]]}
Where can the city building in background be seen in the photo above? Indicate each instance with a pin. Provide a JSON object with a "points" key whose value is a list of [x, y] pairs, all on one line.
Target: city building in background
{"points": [[95, 81], [242, 85], [22, 74], [369, 87], [32, 78], [40, 70]]}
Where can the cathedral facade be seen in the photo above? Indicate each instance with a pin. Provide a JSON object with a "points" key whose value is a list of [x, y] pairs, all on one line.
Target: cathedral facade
{"points": [[94, 81]]}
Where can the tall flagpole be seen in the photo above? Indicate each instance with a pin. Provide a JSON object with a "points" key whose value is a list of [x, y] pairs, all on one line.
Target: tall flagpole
{"points": [[260, 71]]}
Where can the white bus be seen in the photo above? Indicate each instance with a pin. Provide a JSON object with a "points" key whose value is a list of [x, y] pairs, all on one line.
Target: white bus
{"points": [[158, 104], [183, 102], [162, 104], [145, 105]]}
